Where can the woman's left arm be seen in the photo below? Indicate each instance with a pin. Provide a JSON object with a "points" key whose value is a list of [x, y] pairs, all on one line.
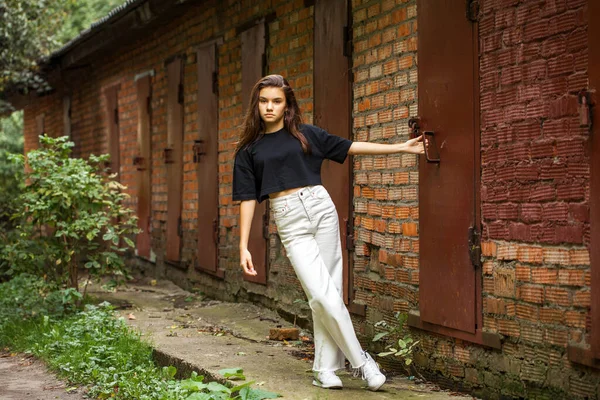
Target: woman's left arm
{"points": [[412, 146]]}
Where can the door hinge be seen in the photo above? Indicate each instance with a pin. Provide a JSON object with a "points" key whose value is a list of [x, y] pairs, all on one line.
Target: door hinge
{"points": [[180, 94], [473, 10], [215, 231], [349, 235], [475, 247], [215, 83], [347, 38], [584, 109], [266, 226], [179, 227]]}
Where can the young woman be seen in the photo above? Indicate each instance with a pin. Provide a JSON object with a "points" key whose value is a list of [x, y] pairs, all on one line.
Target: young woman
{"points": [[279, 158]]}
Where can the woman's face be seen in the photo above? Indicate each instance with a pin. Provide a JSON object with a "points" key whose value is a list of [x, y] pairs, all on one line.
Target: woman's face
{"points": [[271, 106]]}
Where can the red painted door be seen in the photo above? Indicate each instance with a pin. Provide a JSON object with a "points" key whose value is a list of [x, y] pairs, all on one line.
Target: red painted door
{"points": [[143, 163], [111, 95], [253, 51], [206, 158], [448, 191], [332, 97], [173, 158]]}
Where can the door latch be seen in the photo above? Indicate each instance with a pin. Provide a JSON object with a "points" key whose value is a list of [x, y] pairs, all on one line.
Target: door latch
{"points": [[431, 151], [198, 150]]}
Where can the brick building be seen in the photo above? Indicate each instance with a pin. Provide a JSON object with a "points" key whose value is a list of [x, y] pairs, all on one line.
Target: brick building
{"points": [[488, 250]]}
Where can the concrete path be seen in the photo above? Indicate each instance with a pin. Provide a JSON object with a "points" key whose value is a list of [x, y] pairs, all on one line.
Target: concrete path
{"points": [[207, 335], [25, 378]]}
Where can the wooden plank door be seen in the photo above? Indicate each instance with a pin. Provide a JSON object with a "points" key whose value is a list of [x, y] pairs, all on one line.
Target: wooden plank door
{"points": [[448, 191], [594, 247], [206, 158], [253, 53], [173, 158], [143, 163], [111, 95], [332, 97]]}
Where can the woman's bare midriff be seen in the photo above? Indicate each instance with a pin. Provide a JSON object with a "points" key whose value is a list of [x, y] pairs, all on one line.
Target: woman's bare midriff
{"points": [[283, 193]]}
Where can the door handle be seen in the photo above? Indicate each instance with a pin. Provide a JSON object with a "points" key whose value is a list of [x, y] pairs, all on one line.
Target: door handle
{"points": [[431, 151]]}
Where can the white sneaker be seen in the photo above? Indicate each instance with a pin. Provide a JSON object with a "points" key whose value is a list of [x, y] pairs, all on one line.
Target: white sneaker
{"points": [[327, 380], [370, 372]]}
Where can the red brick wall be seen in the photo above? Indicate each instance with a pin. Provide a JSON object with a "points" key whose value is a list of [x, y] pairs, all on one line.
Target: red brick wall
{"points": [[534, 183]]}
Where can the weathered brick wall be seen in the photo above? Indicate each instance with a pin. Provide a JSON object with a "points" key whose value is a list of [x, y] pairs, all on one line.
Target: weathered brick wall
{"points": [[385, 202], [534, 183]]}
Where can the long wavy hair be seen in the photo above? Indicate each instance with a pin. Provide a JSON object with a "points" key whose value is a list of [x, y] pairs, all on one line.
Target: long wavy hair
{"points": [[254, 126]]}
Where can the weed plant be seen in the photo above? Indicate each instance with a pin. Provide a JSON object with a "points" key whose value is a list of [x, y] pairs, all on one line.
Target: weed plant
{"points": [[95, 348]]}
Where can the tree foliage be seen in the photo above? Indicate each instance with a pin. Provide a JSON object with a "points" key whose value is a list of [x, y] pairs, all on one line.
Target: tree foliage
{"points": [[11, 142], [71, 215], [30, 30]]}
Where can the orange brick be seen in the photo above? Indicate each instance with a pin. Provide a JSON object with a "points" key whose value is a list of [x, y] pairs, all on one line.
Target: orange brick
{"points": [[575, 319], [557, 296], [551, 315], [509, 328], [582, 298], [530, 294], [544, 275], [409, 229], [556, 337], [528, 254], [579, 257], [527, 312], [488, 249], [522, 273], [571, 277], [556, 256], [507, 252]]}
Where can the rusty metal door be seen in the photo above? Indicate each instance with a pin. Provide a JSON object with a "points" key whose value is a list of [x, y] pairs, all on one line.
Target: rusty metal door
{"points": [[111, 95], [594, 246], [40, 126], [332, 97], [206, 158], [253, 65], [448, 190], [173, 158], [143, 164]]}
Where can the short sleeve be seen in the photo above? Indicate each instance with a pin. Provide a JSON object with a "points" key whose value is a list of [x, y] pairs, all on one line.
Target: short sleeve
{"points": [[244, 182], [333, 147]]}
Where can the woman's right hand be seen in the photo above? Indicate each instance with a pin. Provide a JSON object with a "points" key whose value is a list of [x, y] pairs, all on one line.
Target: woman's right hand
{"points": [[246, 262]]}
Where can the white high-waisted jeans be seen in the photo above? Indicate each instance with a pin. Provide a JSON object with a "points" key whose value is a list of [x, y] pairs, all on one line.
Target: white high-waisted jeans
{"points": [[308, 226]]}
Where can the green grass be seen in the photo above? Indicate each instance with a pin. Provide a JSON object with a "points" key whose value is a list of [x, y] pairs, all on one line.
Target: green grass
{"points": [[96, 349]]}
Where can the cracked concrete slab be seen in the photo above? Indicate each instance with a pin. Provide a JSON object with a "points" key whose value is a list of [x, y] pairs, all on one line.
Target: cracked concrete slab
{"points": [[193, 333]]}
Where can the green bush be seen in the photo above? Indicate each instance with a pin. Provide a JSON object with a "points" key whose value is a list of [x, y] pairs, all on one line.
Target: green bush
{"points": [[70, 215], [95, 348]]}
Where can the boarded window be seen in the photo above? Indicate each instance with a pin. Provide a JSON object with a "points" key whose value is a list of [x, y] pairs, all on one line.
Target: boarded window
{"points": [[173, 158], [253, 51], [143, 163], [67, 116], [40, 128], [206, 158], [112, 124]]}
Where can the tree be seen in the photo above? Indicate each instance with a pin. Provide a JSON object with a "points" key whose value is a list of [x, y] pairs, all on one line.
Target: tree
{"points": [[29, 34]]}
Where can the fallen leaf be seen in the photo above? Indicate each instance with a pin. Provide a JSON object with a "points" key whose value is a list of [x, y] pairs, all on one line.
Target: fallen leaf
{"points": [[130, 316]]}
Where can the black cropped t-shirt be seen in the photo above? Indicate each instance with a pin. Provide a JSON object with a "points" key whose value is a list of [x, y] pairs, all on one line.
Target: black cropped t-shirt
{"points": [[276, 162]]}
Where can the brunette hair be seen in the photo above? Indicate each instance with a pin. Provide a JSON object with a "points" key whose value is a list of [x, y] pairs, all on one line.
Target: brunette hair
{"points": [[254, 126]]}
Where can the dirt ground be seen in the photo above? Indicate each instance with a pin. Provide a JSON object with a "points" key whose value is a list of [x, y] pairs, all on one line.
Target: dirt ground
{"points": [[23, 377]]}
